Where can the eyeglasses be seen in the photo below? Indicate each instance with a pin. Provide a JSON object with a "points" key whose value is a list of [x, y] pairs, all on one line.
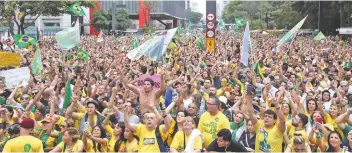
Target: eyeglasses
{"points": [[211, 104], [63, 126], [297, 134]]}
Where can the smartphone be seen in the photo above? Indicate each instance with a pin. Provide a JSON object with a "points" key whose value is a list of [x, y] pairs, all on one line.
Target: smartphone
{"points": [[86, 126], [319, 120], [60, 69]]}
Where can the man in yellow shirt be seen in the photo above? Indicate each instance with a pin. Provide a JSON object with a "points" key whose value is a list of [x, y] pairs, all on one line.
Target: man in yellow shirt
{"points": [[25, 142], [149, 141], [297, 126], [270, 134], [213, 121]]}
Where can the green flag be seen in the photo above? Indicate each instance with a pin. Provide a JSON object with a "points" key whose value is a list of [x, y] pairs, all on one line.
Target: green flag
{"points": [[23, 41], [221, 24], [319, 36], [68, 94], [82, 54], [76, 9], [240, 22], [285, 41], [179, 30], [172, 46], [37, 64], [136, 43], [201, 43]]}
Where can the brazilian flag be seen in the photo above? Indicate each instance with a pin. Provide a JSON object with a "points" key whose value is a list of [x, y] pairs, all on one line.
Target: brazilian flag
{"points": [[76, 9], [82, 54], [201, 43], [258, 70], [240, 22], [23, 41]]}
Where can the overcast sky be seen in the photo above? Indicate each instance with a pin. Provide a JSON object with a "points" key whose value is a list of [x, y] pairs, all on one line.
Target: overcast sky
{"points": [[199, 5]]}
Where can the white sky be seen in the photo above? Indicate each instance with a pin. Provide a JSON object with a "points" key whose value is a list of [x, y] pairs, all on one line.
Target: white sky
{"points": [[200, 6]]}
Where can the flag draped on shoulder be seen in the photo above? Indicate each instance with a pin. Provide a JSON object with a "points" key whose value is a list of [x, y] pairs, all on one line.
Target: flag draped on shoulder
{"points": [[23, 41], [68, 94], [245, 46], [285, 41], [76, 9], [319, 36], [82, 54], [37, 64]]}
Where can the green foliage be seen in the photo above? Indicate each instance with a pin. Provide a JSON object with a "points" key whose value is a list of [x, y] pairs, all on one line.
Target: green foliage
{"points": [[34, 9], [193, 17], [101, 20], [123, 20]]}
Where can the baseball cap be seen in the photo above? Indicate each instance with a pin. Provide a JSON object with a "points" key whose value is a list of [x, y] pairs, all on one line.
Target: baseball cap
{"points": [[47, 119], [223, 99], [344, 83], [27, 123]]}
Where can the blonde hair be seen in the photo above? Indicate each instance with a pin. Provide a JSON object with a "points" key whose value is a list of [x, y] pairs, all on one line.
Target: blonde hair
{"points": [[73, 132], [190, 118], [298, 138]]}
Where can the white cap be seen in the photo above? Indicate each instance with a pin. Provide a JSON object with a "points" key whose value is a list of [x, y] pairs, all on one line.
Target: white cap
{"points": [[223, 99]]}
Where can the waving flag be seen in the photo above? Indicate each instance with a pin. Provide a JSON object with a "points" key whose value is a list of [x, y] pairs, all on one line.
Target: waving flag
{"points": [[221, 24], [136, 43], [240, 22], [201, 43], [285, 41], [23, 41], [68, 38], [258, 70], [76, 9], [37, 64], [319, 36], [68, 94], [245, 46], [82, 54]]}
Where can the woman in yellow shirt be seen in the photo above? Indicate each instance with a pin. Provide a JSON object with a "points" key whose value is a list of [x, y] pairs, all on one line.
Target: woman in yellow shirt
{"points": [[116, 142], [187, 140], [131, 143], [97, 140], [70, 142], [299, 144]]}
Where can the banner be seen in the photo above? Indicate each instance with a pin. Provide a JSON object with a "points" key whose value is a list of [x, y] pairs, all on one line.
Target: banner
{"points": [[10, 59], [155, 78], [13, 76]]}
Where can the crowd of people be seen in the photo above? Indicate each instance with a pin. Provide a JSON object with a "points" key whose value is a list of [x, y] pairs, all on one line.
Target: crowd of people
{"points": [[299, 100]]}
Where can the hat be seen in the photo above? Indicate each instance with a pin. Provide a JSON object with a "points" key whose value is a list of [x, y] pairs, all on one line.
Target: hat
{"points": [[47, 119], [344, 83], [94, 102], [27, 123], [223, 99]]}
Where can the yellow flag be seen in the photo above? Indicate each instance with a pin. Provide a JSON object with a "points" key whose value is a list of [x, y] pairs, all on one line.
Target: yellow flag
{"points": [[20, 15]]}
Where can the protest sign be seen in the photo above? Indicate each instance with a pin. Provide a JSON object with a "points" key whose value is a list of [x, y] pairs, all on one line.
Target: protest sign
{"points": [[13, 76], [10, 59], [155, 78]]}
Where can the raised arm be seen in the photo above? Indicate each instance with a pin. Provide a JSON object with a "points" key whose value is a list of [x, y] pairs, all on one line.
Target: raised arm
{"points": [[128, 84], [162, 86], [282, 122], [128, 124]]}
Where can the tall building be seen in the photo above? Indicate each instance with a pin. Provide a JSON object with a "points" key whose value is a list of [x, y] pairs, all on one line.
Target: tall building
{"points": [[221, 6]]}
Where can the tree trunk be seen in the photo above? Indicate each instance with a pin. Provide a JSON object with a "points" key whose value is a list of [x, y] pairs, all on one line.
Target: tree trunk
{"points": [[342, 15]]}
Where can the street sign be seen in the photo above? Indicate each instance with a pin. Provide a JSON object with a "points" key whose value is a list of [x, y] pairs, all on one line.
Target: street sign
{"points": [[210, 34], [210, 25], [210, 16], [211, 44]]}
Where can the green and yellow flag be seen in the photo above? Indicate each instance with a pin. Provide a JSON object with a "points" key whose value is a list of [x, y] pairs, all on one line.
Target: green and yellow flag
{"points": [[37, 64], [201, 43], [82, 54], [68, 94], [76, 9], [240, 22], [23, 41], [258, 70], [319, 36]]}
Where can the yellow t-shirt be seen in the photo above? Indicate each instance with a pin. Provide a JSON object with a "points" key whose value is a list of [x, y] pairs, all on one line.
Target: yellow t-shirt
{"points": [[74, 149], [268, 140], [113, 139], [24, 144], [60, 121], [92, 148], [210, 125], [49, 141], [132, 146], [291, 130], [178, 142], [147, 138], [80, 116], [331, 121]]}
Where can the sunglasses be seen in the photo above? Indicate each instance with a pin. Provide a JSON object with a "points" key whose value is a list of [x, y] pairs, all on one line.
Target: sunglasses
{"points": [[300, 150], [297, 134], [211, 104]]}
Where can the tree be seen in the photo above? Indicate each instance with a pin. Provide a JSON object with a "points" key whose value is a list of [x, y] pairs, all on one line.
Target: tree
{"points": [[102, 20], [123, 20], [193, 17], [17, 11]]}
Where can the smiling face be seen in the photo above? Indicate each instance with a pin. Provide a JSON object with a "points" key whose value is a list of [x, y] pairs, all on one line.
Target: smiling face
{"points": [[96, 132], [238, 118], [188, 123], [180, 117], [66, 137], [334, 140]]}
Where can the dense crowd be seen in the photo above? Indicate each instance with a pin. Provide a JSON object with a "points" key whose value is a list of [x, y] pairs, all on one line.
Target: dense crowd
{"points": [[190, 101]]}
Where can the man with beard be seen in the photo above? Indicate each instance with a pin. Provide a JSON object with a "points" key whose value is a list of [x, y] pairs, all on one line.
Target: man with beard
{"points": [[297, 125]]}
